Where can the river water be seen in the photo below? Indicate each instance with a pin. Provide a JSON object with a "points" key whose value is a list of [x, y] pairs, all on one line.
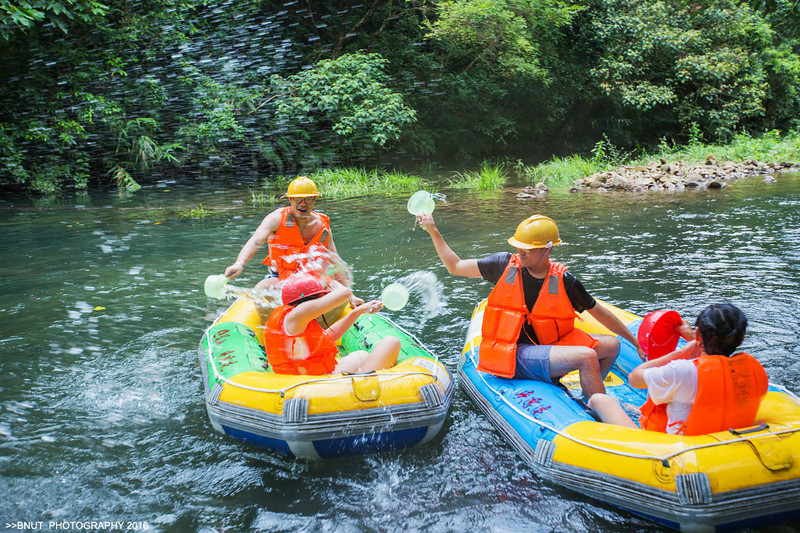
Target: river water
{"points": [[102, 416]]}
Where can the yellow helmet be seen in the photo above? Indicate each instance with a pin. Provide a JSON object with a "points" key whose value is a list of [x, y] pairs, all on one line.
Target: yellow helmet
{"points": [[301, 187], [536, 231]]}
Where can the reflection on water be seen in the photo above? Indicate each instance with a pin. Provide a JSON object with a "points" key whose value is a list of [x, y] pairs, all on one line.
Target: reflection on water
{"points": [[102, 414]]}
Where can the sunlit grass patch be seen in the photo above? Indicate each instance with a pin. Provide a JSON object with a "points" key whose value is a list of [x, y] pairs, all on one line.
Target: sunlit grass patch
{"points": [[489, 176], [351, 182], [563, 170], [261, 197]]}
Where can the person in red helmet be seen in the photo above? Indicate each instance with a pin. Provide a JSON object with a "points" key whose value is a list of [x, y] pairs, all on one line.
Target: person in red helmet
{"points": [[297, 344], [700, 388]]}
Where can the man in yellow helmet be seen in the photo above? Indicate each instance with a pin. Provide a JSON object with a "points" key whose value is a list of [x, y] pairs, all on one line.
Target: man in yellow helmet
{"points": [[292, 233], [528, 325]]}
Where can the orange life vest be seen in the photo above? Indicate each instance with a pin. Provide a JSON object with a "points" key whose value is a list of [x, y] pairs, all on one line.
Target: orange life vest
{"points": [[552, 318], [729, 391], [287, 241], [281, 347]]}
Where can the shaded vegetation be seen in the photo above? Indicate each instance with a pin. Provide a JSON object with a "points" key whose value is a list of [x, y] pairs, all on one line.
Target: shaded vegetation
{"points": [[124, 92]]}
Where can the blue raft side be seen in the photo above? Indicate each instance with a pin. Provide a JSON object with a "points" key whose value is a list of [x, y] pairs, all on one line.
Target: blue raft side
{"points": [[532, 407], [529, 407]]}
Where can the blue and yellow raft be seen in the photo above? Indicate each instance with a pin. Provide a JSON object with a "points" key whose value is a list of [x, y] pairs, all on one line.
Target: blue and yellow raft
{"points": [[724, 480], [321, 417]]}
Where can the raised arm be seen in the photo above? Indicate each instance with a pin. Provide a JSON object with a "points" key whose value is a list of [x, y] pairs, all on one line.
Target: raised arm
{"points": [[298, 318], [689, 351], [610, 320], [455, 265]]}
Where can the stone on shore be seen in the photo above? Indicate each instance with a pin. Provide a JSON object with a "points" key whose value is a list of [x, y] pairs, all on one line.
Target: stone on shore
{"points": [[666, 175]]}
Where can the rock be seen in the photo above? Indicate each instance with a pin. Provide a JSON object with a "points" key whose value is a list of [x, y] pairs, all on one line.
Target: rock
{"points": [[714, 184], [769, 179], [525, 196]]}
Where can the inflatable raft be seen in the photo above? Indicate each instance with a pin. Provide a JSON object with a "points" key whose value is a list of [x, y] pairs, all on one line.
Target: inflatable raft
{"points": [[321, 417], [725, 480]]}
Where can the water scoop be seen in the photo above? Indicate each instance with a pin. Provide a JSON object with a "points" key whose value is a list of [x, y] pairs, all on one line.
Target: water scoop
{"points": [[394, 296], [215, 286], [421, 203]]}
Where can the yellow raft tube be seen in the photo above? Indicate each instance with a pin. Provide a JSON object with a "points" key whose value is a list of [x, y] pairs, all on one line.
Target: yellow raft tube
{"points": [[726, 480], [320, 417]]}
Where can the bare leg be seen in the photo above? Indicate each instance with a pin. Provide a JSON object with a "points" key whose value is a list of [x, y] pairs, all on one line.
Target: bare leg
{"points": [[607, 352], [384, 355], [266, 283], [565, 359], [610, 411]]}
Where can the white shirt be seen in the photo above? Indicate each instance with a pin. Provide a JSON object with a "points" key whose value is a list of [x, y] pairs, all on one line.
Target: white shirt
{"points": [[676, 385]]}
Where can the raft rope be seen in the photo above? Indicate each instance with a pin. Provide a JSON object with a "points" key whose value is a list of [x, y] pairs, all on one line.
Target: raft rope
{"points": [[663, 458], [386, 377]]}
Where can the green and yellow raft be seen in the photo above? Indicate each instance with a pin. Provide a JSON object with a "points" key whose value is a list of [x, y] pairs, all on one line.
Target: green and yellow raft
{"points": [[321, 417]]}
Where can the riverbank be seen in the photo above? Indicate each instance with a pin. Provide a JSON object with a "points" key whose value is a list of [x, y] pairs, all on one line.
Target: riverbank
{"points": [[695, 165], [665, 175]]}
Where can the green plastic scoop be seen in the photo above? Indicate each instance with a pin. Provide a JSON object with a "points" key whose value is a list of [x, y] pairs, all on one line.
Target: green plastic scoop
{"points": [[395, 296], [215, 286], [421, 203]]}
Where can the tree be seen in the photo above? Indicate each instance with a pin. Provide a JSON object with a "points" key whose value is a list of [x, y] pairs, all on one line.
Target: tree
{"points": [[344, 104]]}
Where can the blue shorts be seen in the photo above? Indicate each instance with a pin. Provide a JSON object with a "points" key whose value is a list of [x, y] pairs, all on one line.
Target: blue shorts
{"points": [[533, 362]]}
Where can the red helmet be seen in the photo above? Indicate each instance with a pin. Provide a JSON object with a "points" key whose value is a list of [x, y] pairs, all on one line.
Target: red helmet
{"points": [[658, 333], [301, 287]]}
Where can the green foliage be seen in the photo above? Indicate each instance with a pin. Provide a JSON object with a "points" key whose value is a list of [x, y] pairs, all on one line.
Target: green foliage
{"points": [[564, 170], [23, 15], [489, 176], [349, 182], [499, 36], [132, 90], [702, 62], [343, 102]]}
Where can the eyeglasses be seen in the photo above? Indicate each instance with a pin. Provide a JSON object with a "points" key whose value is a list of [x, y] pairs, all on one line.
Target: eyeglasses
{"points": [[303, 199]]}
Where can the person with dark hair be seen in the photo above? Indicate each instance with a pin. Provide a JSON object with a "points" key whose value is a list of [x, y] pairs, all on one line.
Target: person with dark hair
{"points": [[297, 344], [700, 388]]}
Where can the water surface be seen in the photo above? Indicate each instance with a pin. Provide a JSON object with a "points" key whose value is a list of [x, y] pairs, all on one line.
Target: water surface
{"points": [[101, 408]]}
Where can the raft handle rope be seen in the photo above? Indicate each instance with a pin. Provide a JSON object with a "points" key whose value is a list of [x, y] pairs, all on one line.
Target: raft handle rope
{"points": [[663, 459], [328, 379]]}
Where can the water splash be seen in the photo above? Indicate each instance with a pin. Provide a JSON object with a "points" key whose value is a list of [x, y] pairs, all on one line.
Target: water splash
{"points": [[427, 287], [321, 262], [439, 197]]}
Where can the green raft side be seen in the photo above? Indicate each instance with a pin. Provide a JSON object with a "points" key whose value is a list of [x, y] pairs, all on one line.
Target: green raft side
{"points": [[234, 348], [369, 329]]}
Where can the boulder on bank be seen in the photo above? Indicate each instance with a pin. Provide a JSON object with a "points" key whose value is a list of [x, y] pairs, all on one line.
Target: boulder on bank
{"points": [[664, 175]]}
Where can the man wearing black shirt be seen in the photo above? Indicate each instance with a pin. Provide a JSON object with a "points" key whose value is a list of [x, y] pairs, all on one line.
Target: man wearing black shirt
{"points": [[534, 240]]}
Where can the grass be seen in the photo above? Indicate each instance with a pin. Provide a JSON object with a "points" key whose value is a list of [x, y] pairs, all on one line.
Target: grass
{"points": [[489, 176], [261, 197], [769, 147], [351, 182]]}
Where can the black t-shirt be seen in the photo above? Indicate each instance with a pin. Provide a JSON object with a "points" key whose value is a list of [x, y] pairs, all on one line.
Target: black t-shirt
{"points": [[492, 268]]}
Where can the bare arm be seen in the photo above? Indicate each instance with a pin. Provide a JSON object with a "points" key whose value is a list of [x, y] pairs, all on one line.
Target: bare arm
{"points": [[267, 227], [339, 328], [636, 377], [298, 318], [610, 320], [455, 265]]}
